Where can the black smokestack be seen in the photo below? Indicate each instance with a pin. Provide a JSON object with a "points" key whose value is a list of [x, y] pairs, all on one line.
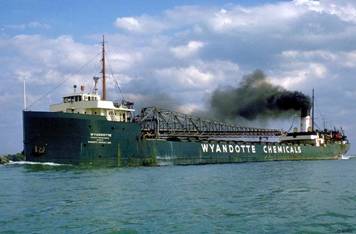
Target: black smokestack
{"points": [[256, 98]]}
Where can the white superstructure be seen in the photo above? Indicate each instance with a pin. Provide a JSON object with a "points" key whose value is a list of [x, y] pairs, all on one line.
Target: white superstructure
{"points": [[314, 138], [306, 124], [91, 104]]}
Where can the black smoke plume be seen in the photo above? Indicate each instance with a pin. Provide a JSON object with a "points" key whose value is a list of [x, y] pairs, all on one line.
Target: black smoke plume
{"points": [[257, 98]]}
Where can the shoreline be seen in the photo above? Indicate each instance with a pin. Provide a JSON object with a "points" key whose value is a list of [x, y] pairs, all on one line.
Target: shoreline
{"points": [[11, 157]]}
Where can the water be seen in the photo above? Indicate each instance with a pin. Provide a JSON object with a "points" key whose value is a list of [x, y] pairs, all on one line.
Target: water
{"points": [[271, 197]]}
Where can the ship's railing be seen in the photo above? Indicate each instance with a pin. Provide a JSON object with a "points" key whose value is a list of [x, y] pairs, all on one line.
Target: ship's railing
{"points": [[161, 123]]}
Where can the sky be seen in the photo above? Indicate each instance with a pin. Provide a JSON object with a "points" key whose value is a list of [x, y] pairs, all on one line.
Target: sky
{"points": [[176, 53]]}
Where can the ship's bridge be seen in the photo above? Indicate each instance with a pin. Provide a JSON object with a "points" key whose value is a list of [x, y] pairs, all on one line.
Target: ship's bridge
{"points": [[91, 104]]}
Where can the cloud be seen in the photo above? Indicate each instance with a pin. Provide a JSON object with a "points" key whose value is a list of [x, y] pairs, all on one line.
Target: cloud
{"points": [[143, 24], [186, 77], [29, 25], [44, 61], [187, 50], [128, 23], [340, 58], [299, 74], [254, 18], [344, 10]]}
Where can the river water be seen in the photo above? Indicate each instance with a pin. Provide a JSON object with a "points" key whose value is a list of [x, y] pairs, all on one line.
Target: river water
{"points": [[269, 197]]}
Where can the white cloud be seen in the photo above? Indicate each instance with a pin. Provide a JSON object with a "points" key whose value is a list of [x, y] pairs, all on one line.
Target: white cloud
{"points": [[189, 108], [128, 23], [253, 18], [59, 52], [123, 60], [199, 77], [143, 24], [338, 58], [299, 75], [187, 50], [29, 25], [345, 10], [185, 77]]}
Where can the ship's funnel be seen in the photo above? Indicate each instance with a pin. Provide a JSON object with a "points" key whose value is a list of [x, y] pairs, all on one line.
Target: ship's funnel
{"points": [[305, 120]]}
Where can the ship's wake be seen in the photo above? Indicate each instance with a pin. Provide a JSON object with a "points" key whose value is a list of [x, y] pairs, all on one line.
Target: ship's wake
{"points": [[35, 163], [346, 157]]}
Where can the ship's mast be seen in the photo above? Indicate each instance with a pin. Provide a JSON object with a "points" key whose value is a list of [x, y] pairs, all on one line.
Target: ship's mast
{"points": [[103, 71], [24, 95], [313, 111]]}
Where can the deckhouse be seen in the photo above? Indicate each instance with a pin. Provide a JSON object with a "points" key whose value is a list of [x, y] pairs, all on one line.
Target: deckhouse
{"points": [[91, 104]]}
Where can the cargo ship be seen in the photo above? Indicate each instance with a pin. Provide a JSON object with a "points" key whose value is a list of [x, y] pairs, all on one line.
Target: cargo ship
{"points": [[87, 129]]}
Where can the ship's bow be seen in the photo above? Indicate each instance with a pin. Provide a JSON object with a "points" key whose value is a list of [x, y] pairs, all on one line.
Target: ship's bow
{"points": [[50, 138]]}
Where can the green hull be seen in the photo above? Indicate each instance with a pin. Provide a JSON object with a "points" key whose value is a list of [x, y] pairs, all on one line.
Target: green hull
{"points": [[92, 140]]}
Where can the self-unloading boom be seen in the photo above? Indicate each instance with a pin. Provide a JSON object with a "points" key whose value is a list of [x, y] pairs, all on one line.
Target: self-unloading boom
{"points": [[161, 123]]}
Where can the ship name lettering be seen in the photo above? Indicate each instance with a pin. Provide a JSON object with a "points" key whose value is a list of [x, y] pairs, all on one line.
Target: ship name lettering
{"points": [[218, 150], [237, 149], [212, 147], [223, 148], [280, 149], [268, 149], [253, 149], [99, 138], [205, 147], [231, 148]]}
